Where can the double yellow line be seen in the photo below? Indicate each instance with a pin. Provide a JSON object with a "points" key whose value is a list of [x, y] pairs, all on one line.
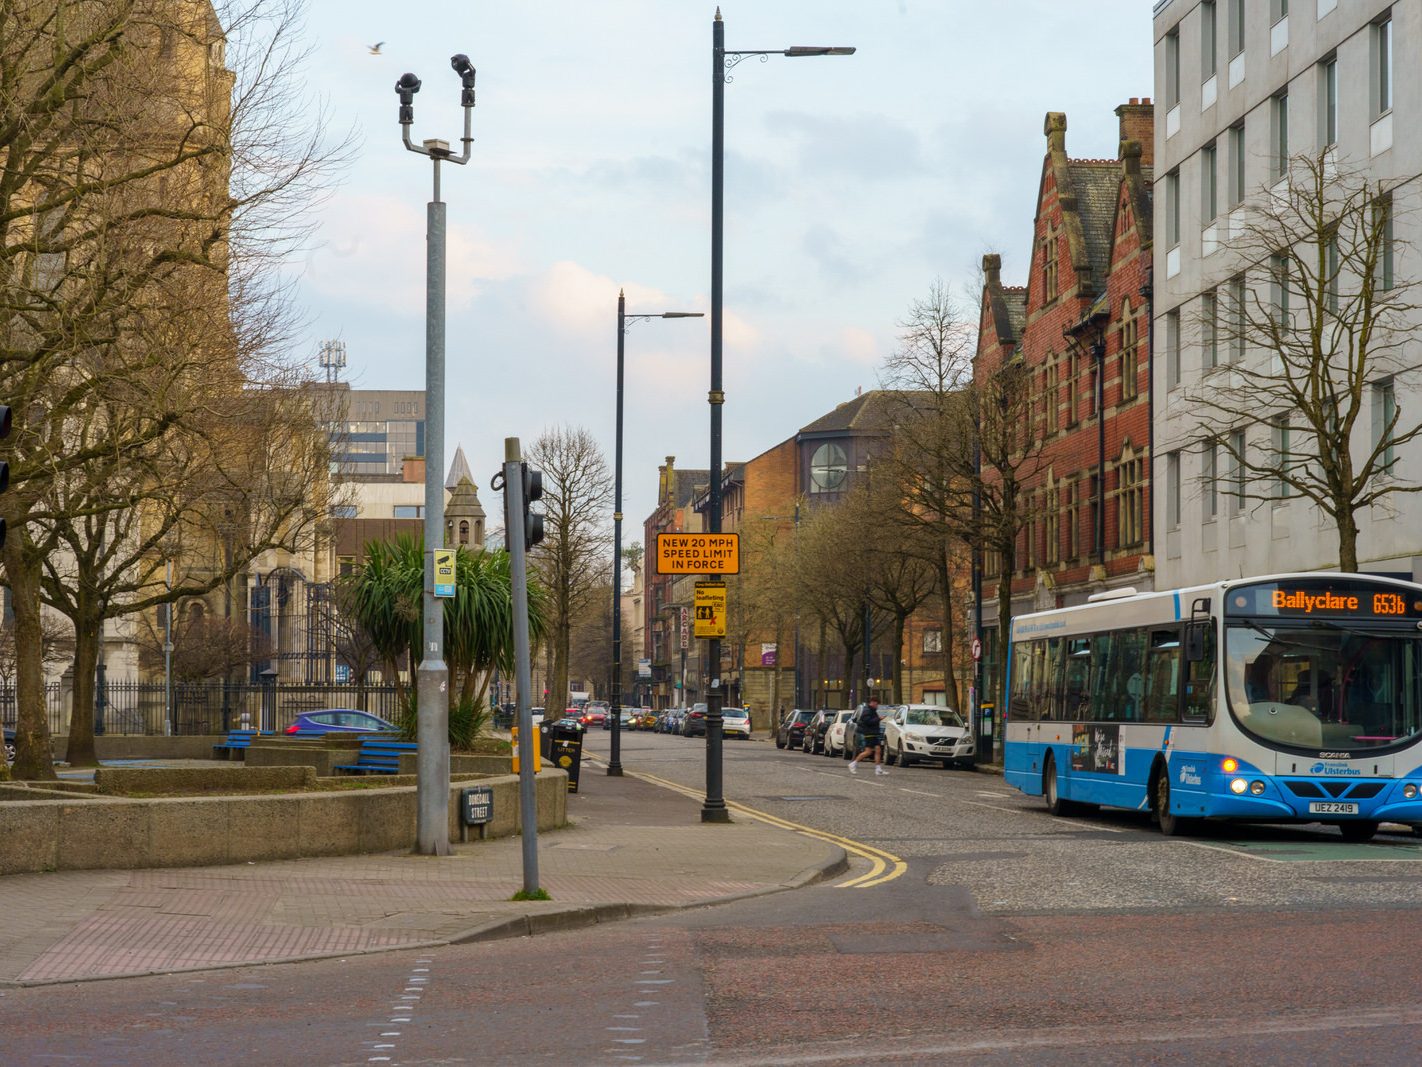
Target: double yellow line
{"points": [[883, 866]]}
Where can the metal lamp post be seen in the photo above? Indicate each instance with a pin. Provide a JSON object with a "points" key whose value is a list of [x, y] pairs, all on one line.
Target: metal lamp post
{"points": [[722, 61], [614, 765], [432, 676]]}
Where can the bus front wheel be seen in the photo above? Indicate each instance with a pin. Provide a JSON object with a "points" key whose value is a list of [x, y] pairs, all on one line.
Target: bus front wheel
{"points": [[1171, 825]]}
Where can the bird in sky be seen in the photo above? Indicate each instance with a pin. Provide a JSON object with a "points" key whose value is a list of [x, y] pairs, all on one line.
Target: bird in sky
{"points": [[375, 48]]}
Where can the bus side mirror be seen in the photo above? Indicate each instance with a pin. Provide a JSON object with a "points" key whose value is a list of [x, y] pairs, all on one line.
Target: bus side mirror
{"points": [[1195, 642]]}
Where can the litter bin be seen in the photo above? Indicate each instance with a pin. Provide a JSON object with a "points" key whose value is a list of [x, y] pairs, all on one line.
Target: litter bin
{"points": [[565, 750]]}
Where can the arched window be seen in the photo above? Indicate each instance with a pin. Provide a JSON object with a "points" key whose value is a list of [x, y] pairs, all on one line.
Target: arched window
{"points": [[463, 531], [1130, 498]]}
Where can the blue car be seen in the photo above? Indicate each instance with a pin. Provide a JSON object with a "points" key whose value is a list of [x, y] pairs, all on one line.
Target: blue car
{"points": [[338, 721]]}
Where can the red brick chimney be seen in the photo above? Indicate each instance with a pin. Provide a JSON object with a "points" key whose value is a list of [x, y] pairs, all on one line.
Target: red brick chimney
{"points": [[413, 469], [1138, 124]]}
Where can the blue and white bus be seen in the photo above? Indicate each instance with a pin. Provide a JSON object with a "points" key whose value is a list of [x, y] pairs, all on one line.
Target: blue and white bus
{"points": [[1288, 698]]}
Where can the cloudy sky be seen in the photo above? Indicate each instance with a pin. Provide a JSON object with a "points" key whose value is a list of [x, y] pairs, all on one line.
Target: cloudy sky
{"points": [[851, 183]]}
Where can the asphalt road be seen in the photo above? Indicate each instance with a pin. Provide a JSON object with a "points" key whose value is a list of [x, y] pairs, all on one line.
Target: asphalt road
{"points": [[1010, 937]]}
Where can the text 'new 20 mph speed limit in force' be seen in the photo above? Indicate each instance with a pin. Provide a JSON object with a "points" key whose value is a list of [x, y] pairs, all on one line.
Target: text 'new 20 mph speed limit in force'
{"points": [[698, 553]]}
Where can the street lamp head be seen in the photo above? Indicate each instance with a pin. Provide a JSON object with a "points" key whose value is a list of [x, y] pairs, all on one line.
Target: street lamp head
{"points": [[407, 87], [812, 50], [465, 70], [683, 314]]}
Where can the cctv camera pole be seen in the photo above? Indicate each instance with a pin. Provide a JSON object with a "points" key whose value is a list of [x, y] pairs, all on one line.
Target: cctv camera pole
{"points": [[514, 513], [432, 676]]}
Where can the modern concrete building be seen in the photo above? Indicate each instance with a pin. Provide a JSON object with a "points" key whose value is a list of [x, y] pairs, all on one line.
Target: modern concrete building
{"points": [[373, 431], [1246, 89]]}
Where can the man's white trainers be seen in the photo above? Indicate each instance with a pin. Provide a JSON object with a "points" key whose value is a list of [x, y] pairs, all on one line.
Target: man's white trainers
{"points": [[880, 770], [852, 768]]}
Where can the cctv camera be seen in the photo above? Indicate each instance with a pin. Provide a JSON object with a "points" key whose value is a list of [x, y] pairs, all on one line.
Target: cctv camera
{"points": [[461, 64], [407, 87]]}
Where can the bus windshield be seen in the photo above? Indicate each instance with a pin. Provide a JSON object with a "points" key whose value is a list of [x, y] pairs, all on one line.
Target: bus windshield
{"points": [[1324, 686]]}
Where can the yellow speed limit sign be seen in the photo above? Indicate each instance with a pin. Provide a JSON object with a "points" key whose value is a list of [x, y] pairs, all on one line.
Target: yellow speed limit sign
{"points": [[710, 605]]}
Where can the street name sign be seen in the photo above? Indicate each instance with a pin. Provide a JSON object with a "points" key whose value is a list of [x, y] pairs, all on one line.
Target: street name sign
{"points": [[698, 553]]}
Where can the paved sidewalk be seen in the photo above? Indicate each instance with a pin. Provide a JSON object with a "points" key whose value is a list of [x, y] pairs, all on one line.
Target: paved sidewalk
{"points": [[632, 848]]}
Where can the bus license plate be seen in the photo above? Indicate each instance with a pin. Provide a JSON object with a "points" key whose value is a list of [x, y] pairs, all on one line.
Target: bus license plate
{"points": [[1332, 807]]}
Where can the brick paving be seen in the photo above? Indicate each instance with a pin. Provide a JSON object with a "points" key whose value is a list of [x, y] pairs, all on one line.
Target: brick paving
{"points": [[630, 843]]}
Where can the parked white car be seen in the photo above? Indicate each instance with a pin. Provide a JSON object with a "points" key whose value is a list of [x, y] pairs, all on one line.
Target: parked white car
{"points": [[834, 736], [914, 732], [735, 722]]}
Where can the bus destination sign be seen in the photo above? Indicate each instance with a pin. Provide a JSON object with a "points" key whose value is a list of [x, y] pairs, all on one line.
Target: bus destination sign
{"points": [[1322, 599]]}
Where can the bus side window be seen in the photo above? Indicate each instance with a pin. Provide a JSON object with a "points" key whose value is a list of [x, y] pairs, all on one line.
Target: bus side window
{"points": [[1200, 678], [1049, 681], [1127, 677], [1162, 689], [1103, 668], [1023, 706], [1076, 690]]}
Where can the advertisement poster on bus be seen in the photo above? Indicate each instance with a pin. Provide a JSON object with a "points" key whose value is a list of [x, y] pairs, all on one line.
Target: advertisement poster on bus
{"points": [[1096, 748]]}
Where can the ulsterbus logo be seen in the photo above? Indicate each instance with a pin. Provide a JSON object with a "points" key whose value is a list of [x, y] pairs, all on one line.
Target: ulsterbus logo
{"points": [[1335, 768]]}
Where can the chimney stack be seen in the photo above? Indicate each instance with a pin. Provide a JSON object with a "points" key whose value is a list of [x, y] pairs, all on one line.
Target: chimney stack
{"points": [[1138, 124]]}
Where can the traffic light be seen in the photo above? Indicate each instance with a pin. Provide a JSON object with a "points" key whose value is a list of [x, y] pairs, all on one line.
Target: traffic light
{"points": [[532, 520], [4, 466]]}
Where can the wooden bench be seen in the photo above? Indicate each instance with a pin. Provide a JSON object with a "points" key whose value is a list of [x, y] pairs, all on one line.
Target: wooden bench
{"points": [[238, 741], [378, 756]]}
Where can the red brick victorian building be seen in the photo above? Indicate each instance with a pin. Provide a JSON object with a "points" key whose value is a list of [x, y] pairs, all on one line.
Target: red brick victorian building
{"points": [[1081, 328]]}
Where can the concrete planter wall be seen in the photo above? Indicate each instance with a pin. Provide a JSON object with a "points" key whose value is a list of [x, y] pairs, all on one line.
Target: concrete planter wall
{"points": [[82, 833]]}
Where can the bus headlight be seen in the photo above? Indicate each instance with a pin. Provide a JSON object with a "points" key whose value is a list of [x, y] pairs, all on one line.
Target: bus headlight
{"points": [[1238, 785], [1257, 788], [1409, 791]]}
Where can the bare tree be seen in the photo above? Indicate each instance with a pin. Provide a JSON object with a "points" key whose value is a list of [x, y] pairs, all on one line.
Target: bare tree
{"points": [[1317, 320], [931, 459], [156, 167], [573, 562]]}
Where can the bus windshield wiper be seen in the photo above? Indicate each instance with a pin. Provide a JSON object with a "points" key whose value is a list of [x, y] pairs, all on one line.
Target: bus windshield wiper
{"points": [[1279, 635], [1354, 630]]}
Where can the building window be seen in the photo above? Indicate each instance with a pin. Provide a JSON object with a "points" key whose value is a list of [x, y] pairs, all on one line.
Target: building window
{"points": [[1130, 498], [1382, 66], [992, 563], [1279, 276], [828, 468], [1209, 329], [1052, 399], [343, 511], [1093, 509], [1094, 384], [1130, 354], [1278, 11], [932, 641], [1209, 192], [1049, 264], [1236, 471], [1236, 27], [1279, 119], [1384, 422], [1209, 478], [1172, 488], [1072, 385], [1382, 226], [1074, 488], [409, 511], [1282, 455], [1172, 209], [1207, 39], [1238, 317], [1328, 102], [1053, 524], [1236, 165], [1172, 68], [1172, 349], [463, 531]]}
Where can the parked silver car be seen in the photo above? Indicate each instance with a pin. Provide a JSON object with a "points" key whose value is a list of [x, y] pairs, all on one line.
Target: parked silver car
{"points": [[915, 732]]}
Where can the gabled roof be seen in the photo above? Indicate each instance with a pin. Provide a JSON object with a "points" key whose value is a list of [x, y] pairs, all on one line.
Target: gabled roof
{"points": [[874, 411], [1097, 183]]}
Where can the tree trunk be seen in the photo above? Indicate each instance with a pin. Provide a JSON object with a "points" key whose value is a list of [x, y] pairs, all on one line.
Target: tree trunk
{"points": [[558, 688], [80, 752], [950, 676], [33, 759], [900, 620], [1004, 630], [850, 645], [1347, 541]]}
